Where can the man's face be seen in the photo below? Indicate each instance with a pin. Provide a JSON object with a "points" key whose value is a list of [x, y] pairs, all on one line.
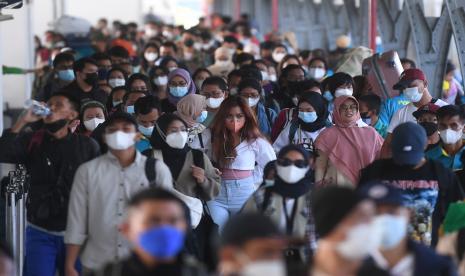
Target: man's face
{"points": [[117, 61], [453, 123], [152, 214], [212, 91], [234, 258], [89, 68], [104, 64], [149, 119], [363, 213], [296, 75], [133, 97], [167, 51], [65, 65], [61, 109], [428, 117]]}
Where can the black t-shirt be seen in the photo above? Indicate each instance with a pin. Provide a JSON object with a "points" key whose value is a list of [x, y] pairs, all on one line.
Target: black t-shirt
{"points": [[95, 94], [427, 190]]}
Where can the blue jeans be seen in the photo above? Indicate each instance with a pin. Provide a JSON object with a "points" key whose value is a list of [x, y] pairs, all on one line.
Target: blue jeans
{"points": [[45, 254], [233, 194]]}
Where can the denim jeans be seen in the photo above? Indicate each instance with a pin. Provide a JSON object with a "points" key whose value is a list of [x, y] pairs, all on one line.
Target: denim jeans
{"points": [[45, 253], [232, 196]]}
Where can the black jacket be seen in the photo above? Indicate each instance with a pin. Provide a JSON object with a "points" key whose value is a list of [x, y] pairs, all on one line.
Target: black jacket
{"points": [[184, 266], [51, 165], [426, 262], [95, 94]]}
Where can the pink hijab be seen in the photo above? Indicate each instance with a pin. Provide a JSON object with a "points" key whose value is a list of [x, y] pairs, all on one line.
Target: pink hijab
{"points": [[349, 147]]}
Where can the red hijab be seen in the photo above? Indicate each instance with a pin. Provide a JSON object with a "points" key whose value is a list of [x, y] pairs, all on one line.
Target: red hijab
{"points": [[349, 145]]}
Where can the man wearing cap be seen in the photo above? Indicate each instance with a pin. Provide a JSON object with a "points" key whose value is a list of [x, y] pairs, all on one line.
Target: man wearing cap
{"points": [[346, 230], [251, 244], [427, 187], [427, 117], [102, 187], [451, 128], [397, 253], [414, 86]]}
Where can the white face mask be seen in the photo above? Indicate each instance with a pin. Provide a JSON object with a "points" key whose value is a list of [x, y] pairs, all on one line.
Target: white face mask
{"points": [[253, 101], [177, 140], [222, 63], [291, 174], [343, 92], [413, 94], [316, 73], [278, 56], [273, 78], [163, 80], [150, 56], [93, 123], [360, 241], [198, 84], [393, 230], [120, 140], [214, 102], [449, 136], [295, 101], [116, 82], [268, 268], [233, 91], [265, 76]]}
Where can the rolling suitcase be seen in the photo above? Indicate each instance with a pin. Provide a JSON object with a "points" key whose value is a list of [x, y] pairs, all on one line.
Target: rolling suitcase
{"points": [[382, 72]]}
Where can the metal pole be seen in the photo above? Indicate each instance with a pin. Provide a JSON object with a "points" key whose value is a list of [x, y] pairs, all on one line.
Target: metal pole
{"points": [[275, 15], [237, 9], [373, 24], [1, 81]]}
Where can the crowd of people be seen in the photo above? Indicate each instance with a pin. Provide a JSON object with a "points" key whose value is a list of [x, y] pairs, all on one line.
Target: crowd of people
{"points": [[208, 151]]}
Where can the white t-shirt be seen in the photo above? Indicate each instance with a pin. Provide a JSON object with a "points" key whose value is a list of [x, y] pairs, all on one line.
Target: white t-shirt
{"points": [[300, 137], [405, 114]]}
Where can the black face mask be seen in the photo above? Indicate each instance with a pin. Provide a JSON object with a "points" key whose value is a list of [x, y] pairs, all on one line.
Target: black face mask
{"points": [[189, 43], [91, 79], [55, 126], [430, 128]]}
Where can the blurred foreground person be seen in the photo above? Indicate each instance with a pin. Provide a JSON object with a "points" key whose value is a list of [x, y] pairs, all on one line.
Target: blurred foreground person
{"points": [[427, 187], [347, 232], [252, 246], [6, 261], [156, 226], [398, 254]]}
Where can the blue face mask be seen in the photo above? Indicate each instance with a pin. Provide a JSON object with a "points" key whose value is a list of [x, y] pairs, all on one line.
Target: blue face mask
{"points": [[66, 75], [178, 91], [202, 117], [328, 96], [147, 131], [130, 109], [163, 242], [308, 117], [102, 74]]}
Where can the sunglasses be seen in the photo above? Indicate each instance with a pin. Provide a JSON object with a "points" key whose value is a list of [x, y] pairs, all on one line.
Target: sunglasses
{"points": [[287, 162]]}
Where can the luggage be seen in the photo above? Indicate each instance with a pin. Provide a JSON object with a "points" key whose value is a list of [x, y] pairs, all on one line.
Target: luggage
{"points": [[382, 72], [351, 62]]}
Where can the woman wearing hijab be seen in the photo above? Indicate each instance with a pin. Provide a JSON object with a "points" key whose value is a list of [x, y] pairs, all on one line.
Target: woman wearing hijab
{"points": [[287, 200], [193, 178], [192, 110], [92, 114], [305, 122], [180, 84], [346, 148], [223, 63]]}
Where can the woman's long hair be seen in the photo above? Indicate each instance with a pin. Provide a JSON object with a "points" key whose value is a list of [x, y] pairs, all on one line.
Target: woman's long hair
{"points": [[224, 150]]}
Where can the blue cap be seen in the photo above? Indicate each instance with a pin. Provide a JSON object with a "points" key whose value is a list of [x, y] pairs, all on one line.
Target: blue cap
{"points": [[382, 193], [408, 144]]}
